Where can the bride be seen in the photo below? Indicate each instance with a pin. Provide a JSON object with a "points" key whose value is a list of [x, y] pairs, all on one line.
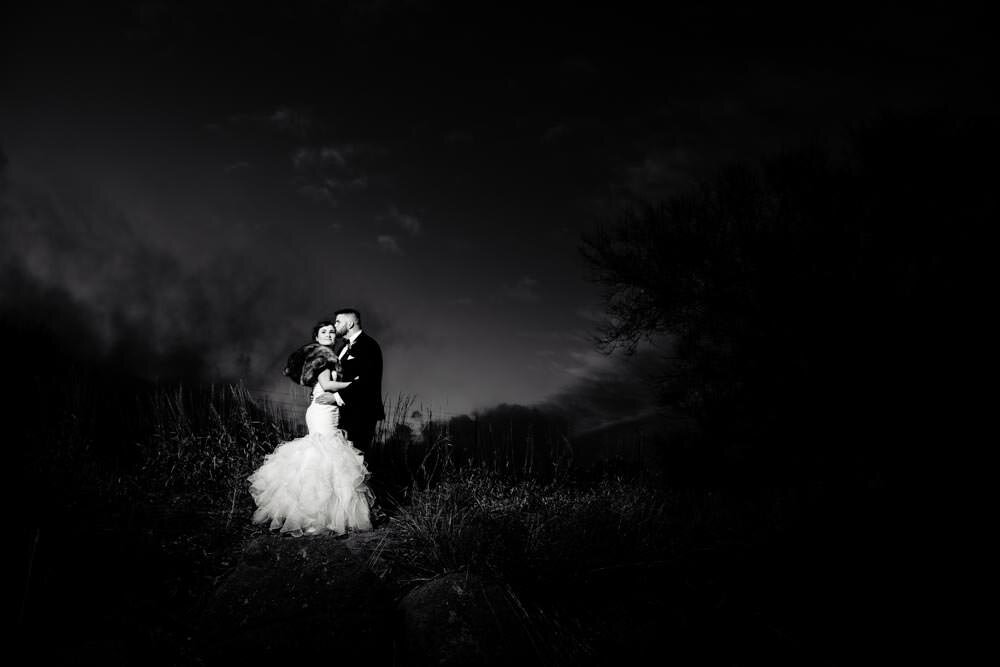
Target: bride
{"points": [[314, 484]]}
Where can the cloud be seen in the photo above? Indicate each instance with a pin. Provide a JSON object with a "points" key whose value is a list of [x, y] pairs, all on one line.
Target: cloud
{"points": [[79, 261], [579, 127], [334, 155], [587, 364], [298, 122], [525, 290], [658, 174], [408, 223], [329, 172], [325, 156], [389, 244], [595, 314], [319, 193], [294, 121], [611, 388], [560, 337], [74, 264], [356, 183]]}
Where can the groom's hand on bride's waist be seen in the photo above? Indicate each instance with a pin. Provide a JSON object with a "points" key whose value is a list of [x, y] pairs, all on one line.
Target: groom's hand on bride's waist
{"points": [[326, 398]]}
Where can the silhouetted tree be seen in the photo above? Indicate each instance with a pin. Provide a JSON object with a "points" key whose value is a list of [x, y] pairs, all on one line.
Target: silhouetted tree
{"points": [[818, 297]]}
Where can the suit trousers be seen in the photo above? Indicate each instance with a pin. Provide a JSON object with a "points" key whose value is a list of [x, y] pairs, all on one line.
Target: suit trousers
{"points": [[360, 431]]}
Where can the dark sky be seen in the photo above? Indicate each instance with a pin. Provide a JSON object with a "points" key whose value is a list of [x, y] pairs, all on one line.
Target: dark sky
{"points": [[218, 178]]}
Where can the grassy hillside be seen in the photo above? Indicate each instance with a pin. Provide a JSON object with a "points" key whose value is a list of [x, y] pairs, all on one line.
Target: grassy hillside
{"points": [[142, 505]]}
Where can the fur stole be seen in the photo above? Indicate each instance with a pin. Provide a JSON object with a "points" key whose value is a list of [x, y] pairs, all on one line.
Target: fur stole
{"points": [[306, 363]]}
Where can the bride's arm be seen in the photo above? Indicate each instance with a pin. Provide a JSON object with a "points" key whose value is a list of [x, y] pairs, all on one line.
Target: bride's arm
{"points": [[327, 382]]}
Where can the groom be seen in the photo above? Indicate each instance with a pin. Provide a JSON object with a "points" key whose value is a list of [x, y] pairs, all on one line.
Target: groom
{"points": [[361, 357]]}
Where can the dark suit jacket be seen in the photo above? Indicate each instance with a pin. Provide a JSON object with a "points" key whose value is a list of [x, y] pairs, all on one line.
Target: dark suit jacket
{"points": [[363, 399]]}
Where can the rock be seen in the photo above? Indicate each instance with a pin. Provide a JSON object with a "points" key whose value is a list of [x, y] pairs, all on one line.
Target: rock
{"points": [[461, 619], [295, 599]]}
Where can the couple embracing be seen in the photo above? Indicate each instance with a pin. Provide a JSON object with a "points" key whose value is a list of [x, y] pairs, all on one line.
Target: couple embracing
{"points": [[318, 483]]}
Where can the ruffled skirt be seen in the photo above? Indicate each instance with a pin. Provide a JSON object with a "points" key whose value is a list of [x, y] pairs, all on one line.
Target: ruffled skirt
{"points": [[312, 485]]}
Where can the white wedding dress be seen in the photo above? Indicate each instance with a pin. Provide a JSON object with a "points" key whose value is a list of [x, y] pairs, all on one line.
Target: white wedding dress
{"points": [[314, 484]]}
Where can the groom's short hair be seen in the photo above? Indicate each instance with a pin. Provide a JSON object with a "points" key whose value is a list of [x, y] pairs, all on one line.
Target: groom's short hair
{"points": [[350, 311]]}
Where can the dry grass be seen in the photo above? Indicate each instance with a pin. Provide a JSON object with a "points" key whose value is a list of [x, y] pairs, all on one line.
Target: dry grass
{"points": [[566, 550]]}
